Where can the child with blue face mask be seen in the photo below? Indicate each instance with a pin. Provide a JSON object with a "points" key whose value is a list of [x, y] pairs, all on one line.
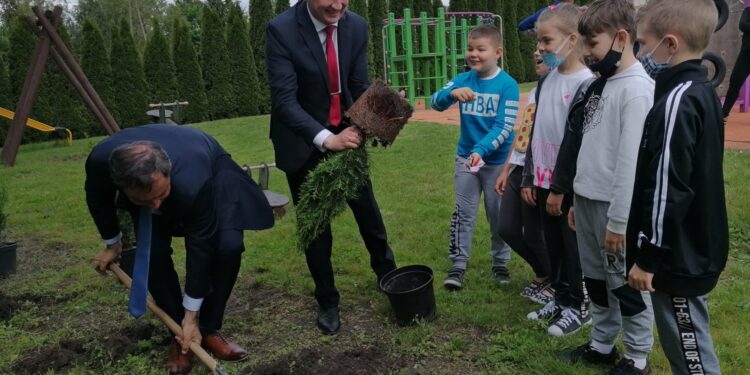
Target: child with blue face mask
{"points": [[559, 45]]}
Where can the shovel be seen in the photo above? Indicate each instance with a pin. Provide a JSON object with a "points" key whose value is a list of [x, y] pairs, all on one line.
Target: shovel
{"points": [[174, 327]]}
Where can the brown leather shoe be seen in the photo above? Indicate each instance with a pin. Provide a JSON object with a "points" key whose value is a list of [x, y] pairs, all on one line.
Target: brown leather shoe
{"points": [[179, 363], [222, 349]]}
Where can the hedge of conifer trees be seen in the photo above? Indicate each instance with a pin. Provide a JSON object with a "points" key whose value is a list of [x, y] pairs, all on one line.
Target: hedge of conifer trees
{"points": [[213, 57]]}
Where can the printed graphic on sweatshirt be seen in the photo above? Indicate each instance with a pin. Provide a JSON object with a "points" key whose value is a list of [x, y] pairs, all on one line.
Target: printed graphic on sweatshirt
{"points": [[546, 154], [523, 128], [484, 105], [592, 113]]}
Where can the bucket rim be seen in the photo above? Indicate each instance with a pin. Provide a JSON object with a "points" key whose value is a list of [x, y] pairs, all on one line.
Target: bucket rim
{"points": [[413, 267]]}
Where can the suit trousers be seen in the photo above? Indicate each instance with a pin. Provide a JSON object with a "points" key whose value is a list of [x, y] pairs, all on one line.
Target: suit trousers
{"points": [[164, 284], [371, 228]]}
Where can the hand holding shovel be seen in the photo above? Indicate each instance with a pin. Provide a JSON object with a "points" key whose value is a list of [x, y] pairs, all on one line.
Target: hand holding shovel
{"points": [[171, 324]]}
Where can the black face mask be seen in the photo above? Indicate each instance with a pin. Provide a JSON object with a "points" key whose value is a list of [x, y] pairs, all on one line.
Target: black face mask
{"points": [[607, 66]]}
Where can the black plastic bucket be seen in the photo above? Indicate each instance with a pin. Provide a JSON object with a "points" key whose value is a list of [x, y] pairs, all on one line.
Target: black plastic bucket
{"points": [[410, 291]]}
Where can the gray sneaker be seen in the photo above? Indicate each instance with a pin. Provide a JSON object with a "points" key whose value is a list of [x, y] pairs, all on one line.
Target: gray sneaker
{"points": [[455, 279], [501, 274], [569, 323], [550, 311]]}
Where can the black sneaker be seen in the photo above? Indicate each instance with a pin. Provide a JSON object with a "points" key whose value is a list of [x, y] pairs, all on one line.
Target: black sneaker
{"points": [[626, 366], [501, 274], [455, 279], [570, 322], [586, 353], [550, 311]]}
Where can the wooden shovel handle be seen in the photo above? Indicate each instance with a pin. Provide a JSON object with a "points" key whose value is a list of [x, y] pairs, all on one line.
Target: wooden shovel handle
{"points": [[171, 324]]}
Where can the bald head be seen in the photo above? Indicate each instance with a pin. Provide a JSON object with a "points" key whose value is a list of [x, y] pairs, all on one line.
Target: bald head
{"points": [[133, 165]]}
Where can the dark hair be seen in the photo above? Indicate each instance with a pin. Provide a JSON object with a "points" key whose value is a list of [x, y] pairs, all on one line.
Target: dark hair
{"points": [[487, 31], [608, 16], [132, 165]]}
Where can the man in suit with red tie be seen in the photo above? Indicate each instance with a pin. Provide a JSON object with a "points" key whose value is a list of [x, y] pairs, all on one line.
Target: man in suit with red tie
{"points": [[316, 54]]}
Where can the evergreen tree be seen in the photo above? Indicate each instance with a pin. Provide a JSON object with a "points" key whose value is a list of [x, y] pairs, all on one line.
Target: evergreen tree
{"points": [[261, 12], [359, 7], [22, 42], [190, 85], [5, 98], [378, 11], [58, 103], [281, 6], [95, 64], [130, 90], [398, 6], [244, 74], [422, 6], [159, 67], [527, 40], [216, 69], [458, 5], [436, 4], [513, 62]]}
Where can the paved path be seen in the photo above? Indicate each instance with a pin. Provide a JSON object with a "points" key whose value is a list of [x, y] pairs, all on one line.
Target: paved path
{"points": [[737, 136]]}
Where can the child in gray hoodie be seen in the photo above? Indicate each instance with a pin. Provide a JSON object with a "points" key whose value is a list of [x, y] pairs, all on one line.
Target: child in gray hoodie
{"points": [[609, 127]]}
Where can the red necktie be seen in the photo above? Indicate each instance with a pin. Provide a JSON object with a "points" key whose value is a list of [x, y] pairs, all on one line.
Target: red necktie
{"points": [[334, 111]]}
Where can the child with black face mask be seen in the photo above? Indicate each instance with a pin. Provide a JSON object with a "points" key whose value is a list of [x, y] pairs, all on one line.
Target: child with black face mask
{"points": [[608, 124]]}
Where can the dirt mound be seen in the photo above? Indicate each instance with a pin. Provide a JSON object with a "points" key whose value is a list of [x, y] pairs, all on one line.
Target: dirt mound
{"points": [[54, 357], [67, 353], [8, 307], [367, 360]]}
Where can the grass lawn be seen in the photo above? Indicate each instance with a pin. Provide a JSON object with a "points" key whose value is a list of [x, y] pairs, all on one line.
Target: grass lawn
{"points": [[57, 313]]}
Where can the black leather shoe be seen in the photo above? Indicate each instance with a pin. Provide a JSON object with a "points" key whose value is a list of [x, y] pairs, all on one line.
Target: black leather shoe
{"points": [[328, 320]]}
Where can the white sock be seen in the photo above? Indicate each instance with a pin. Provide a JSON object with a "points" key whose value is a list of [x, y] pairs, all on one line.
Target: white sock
{"points": [[602, 348], [639, 363]]}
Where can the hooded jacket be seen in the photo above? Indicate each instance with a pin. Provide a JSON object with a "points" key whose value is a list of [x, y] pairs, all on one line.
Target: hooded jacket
{"points": [[678, 220]]}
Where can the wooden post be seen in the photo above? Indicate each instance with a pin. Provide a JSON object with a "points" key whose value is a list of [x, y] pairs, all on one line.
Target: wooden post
{"points": [[28, 95], [74, 67], [73, 80]]}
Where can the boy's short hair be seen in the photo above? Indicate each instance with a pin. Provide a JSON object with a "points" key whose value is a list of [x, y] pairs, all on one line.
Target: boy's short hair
{"points": [[607, 16], [489, 32], [693, 21]]}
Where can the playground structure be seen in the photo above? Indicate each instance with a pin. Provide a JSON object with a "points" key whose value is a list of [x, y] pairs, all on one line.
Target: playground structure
{"points": [[40, 126], [50, 43], [421, 54], [163, 115]]}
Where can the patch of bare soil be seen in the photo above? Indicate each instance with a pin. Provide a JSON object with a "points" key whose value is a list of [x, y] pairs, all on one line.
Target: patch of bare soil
{"points": [[8, 307], [70, 352], [57, 357], [368, 360]]}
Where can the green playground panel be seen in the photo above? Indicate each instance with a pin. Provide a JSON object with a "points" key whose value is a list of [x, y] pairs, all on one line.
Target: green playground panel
{"points": [[422, 54]]}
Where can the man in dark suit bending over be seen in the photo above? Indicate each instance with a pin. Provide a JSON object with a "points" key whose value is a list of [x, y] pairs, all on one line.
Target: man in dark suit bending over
{"points": [[316, 54], [177, 181]]}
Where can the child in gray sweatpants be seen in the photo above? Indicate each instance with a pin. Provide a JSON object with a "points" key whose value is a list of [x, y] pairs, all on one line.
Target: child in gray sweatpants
{"points": [[610, 125], [488, 102], [677, 236]]}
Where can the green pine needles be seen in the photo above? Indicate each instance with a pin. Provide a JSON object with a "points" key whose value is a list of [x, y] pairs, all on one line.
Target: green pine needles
{"points": [[326, 190]]}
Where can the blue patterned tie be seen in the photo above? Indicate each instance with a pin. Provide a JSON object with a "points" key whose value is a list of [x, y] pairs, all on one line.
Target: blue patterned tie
{"points": [[139, 288]]}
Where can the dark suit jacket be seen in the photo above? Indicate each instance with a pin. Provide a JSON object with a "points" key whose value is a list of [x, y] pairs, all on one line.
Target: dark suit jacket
{"points": [[209, 192], [298, 76]]}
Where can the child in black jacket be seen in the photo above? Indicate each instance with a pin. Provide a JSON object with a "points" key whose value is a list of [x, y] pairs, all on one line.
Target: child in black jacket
{"points": [[677, 236]]}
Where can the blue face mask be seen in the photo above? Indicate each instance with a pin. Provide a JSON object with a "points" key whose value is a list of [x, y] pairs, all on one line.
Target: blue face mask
{"points": [[551, 59], [653, 68]]}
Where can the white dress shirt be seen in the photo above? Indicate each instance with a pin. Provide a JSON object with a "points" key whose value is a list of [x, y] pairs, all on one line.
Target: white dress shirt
{"points": [[320, 27]]}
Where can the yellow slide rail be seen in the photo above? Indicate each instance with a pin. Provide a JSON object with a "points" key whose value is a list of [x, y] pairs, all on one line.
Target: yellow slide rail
{"points": [[42, 127]]}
